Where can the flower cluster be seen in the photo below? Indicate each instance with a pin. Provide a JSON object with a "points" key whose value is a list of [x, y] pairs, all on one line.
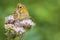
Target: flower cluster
{"points": [[19, 27], [9, 19]]}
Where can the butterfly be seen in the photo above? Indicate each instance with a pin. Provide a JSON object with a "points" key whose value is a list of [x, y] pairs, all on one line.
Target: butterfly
{"points": [[21, 12]]}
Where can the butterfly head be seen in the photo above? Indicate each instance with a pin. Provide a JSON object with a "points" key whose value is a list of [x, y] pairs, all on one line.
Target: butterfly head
{"points": [[20, 6]]}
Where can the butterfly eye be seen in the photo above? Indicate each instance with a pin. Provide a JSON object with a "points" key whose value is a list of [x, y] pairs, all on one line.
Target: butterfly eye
{"points": [[20, 7]]}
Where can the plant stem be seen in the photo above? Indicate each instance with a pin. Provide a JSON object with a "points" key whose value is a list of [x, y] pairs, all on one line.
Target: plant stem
{"points": [[21, 37], [9, 35]]}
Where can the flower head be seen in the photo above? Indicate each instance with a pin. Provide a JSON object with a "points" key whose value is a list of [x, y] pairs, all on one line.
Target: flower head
{"points": [[9, 19], [27, 22], [9, 26], [17, 23], [19, 30]]}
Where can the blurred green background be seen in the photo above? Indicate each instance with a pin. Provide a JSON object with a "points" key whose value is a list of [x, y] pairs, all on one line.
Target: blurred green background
{"points": [[45, 13]]}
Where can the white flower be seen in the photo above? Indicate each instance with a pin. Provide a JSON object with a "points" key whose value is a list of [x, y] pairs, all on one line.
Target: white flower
{"points": [[9, 26], [9, 19], [17, 23], [19, 30], [27, 22]]}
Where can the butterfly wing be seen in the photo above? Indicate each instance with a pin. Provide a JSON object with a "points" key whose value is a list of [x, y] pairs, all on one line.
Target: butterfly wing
{"points": [[21, 12]]}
